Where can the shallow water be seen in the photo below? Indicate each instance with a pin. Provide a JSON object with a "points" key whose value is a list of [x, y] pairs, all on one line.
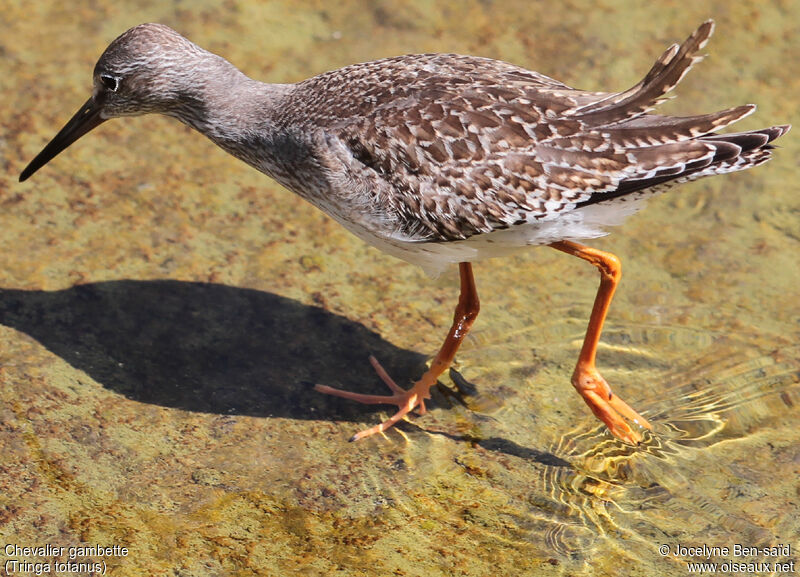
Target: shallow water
{"points": [[165, 310]]}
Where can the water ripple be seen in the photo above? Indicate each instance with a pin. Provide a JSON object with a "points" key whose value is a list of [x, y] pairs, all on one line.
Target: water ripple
{"points": [[714, 399]]}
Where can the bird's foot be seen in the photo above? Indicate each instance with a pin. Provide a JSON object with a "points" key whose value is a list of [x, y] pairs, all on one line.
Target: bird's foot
{"points": [[406, 400], [607, 406]]}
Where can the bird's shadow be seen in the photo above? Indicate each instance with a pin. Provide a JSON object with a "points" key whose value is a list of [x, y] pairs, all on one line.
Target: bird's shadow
{"points": [[209, 347]]}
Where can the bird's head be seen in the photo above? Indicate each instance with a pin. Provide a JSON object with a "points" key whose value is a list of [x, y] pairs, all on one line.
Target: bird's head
{"points": [[149, 68]]}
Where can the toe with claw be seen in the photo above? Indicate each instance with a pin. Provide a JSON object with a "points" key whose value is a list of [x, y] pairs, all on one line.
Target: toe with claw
{"points": [[406, 400]]}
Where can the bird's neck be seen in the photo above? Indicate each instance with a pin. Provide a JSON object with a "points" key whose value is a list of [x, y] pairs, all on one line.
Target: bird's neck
{"points": [[231, 109]]}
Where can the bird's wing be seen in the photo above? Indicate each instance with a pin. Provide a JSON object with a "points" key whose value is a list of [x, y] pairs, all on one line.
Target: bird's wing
{"points": [[486, 145]]}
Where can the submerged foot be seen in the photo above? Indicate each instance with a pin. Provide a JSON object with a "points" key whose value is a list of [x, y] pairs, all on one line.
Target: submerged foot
{"points": [[607, 406]]}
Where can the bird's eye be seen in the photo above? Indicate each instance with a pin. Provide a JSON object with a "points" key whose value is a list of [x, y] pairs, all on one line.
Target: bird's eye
{"points": [[110, 82]]}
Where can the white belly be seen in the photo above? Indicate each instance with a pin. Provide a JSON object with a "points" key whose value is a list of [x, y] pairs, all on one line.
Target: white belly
{"points": [[434, 257]]}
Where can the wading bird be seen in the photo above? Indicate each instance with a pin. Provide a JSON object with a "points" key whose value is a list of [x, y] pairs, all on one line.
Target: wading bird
{"points": [[440, 159]]}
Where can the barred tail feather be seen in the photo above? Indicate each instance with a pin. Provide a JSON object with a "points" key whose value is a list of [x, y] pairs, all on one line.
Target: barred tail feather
{"points": [[728, 153], [665, 74]]}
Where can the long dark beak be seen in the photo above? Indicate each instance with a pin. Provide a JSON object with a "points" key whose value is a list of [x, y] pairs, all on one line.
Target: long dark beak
{"points": [[87, 118]]}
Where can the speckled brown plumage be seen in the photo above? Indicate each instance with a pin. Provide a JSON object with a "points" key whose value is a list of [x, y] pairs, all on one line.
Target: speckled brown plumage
{"points": [[471, 145]]}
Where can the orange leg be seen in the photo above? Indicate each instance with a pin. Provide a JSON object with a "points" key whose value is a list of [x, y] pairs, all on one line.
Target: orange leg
{"points": [[466, 311], [594, 389]]}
